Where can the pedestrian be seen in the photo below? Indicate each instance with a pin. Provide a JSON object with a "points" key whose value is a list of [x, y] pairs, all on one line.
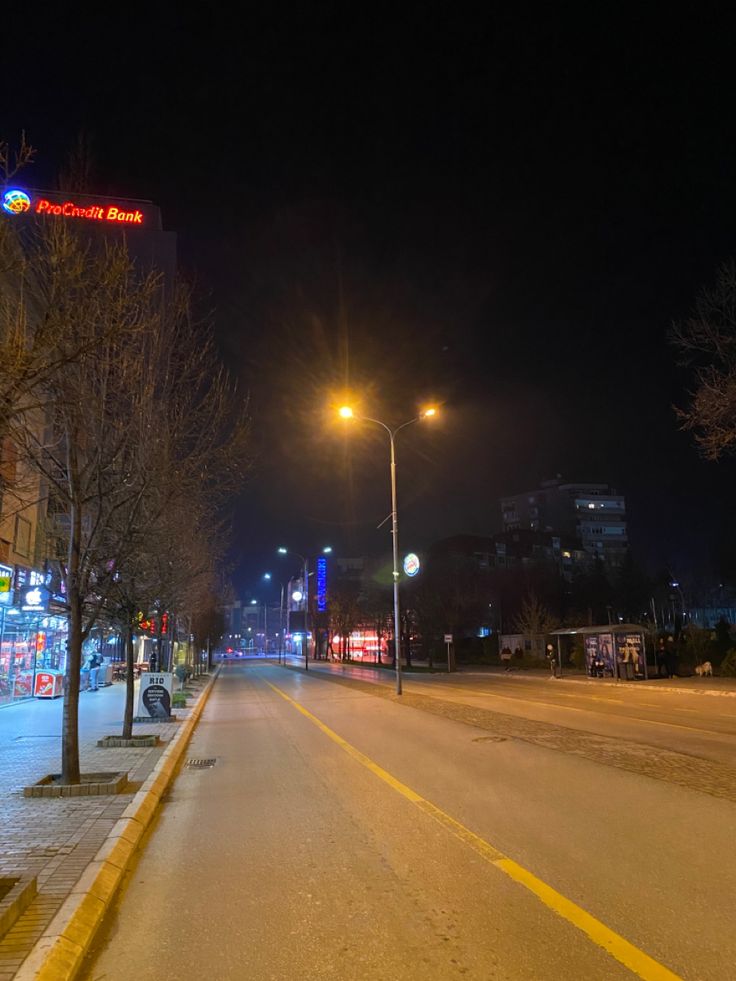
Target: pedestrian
{"points": [[552, 658], [671, 657], [506, 658], [94, 666], [662, 659]]}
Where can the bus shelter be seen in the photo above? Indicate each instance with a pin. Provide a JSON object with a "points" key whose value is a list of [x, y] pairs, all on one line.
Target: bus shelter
{"points": [[611, 650]]}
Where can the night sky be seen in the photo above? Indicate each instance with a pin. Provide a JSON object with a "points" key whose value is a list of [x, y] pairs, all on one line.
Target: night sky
{"points": [[501, 211]]}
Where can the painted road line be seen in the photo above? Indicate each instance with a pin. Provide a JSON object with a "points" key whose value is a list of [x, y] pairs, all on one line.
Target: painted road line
{"points": [[602, 936]]}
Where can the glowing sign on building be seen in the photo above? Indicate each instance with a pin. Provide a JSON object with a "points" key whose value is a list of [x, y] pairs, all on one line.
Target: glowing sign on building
{"points": [[321, 584], [16, 202]]}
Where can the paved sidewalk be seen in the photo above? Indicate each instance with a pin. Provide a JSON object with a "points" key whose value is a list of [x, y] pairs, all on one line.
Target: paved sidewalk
{"points": [[371, 672], [55, 839]]}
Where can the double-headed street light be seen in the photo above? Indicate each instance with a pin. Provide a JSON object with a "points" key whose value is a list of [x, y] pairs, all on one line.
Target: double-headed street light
{"points": [[346, 412], [305, 597]]}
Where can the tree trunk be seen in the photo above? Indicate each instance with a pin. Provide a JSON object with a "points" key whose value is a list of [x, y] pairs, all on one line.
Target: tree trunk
{"points": [[70, 719], [129, 685]]}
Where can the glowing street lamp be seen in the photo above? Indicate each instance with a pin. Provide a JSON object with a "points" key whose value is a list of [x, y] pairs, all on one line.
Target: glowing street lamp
{"points": [[346, 412]]}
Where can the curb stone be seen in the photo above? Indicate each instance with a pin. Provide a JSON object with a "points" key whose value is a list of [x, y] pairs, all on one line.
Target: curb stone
{"points": [[59, 953]]}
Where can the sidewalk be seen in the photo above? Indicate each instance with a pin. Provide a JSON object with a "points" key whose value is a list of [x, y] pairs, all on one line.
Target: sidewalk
{"points": [[693, 685], [56, 839], [370, 671]]}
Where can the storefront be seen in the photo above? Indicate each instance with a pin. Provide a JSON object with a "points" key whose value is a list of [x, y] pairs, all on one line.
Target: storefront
{"points": [[33, 637]]}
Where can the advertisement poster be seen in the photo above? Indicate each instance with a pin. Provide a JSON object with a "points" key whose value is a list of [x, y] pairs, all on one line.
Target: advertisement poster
{"points": [[48, 684], [605, 652], [591, 655], [630, 655], [154, 695]]}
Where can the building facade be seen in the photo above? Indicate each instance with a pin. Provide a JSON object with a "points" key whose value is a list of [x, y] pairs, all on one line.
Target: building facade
{"points": [[590, 515]]}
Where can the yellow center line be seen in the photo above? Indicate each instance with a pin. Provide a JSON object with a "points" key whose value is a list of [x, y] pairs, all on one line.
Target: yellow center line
{"points": [[613, 943]]}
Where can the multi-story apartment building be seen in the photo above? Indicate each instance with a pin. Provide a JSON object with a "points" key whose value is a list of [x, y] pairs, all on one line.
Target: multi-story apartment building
{"points": [[592, 514]]}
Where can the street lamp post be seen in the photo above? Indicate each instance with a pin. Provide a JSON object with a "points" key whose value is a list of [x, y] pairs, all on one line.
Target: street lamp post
{"points": [[347, 413], [267, 578]]}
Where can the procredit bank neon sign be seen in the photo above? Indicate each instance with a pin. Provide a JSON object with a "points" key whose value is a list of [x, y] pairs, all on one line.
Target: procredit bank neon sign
{"points": [[17, 202]]}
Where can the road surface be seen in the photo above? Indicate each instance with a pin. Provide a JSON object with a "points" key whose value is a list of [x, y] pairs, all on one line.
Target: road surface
{"points": [[343, 835]]}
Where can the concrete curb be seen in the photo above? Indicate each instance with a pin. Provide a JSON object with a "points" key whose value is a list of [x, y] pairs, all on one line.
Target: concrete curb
{"points": [[58, 954]]}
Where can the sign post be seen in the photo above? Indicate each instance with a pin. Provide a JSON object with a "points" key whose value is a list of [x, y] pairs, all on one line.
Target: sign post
{"points": [[448, 641]]}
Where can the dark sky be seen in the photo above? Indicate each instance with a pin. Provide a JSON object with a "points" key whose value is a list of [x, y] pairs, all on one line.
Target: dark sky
{"points": [[503, 211]]}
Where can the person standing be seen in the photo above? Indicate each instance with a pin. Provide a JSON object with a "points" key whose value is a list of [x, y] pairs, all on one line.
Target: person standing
{"points": [[671, 658], [552, 658], [94, 668]]}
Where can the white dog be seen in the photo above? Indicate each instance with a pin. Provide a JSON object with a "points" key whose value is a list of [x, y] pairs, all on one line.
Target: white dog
{"points": [[706, 668]]}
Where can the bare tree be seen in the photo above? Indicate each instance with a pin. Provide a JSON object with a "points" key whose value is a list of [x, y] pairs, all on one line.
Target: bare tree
{"points": [[190, 433], [534, 619], [707, 342], [90, 309], [344, 612], [13, 160]]}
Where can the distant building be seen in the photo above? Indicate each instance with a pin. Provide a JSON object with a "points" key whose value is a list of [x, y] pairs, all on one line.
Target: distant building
{"points": [[514, 549], [593, 516]]}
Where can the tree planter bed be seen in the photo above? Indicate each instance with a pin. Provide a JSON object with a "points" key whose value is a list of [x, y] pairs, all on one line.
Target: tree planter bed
{"points": [[91, 785], [114, 742], [16, 895]]}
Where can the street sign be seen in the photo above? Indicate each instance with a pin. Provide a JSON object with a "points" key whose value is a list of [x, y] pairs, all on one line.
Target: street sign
{"points": [[448, 641]]}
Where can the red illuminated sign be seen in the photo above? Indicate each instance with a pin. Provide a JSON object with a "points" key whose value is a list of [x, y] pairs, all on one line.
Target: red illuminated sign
{"points": [[95, 212]]}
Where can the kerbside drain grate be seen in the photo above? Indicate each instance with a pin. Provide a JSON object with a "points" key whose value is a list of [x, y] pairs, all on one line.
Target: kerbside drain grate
{"points": [[201, 764]]}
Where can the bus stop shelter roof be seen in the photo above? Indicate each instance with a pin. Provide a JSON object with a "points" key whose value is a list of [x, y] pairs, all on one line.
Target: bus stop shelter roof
{"points": [[606, 628]]}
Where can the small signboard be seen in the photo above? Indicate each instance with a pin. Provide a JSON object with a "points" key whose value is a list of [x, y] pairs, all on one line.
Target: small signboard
{"points": [[448, 638], [154, 695], [411, 564]]}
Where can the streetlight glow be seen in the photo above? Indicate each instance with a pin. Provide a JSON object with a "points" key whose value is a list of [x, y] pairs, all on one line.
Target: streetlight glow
{"points": [[346, 412]]}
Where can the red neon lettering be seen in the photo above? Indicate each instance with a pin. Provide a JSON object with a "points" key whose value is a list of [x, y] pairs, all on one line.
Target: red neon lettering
{"points": [[94, 211]]}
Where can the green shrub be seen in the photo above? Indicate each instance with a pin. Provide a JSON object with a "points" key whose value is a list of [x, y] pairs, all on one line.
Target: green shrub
{"points": [[179, 699]]}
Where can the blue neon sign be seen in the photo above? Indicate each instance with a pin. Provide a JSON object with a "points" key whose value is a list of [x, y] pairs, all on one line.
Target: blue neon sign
{"points": [[321, 584]]}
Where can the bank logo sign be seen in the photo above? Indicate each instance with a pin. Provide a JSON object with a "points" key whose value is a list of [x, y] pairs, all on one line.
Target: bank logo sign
{"points": [[15, 202]]}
